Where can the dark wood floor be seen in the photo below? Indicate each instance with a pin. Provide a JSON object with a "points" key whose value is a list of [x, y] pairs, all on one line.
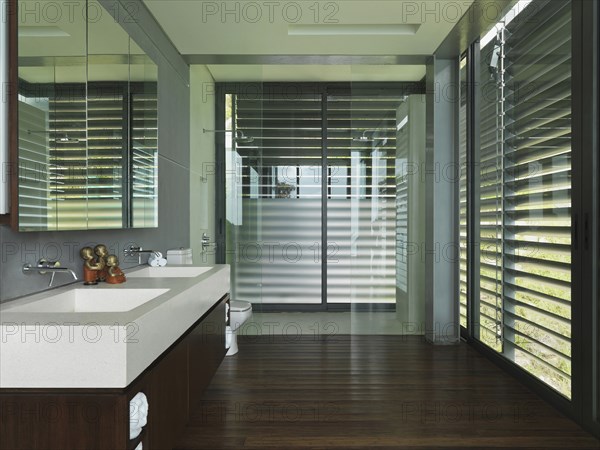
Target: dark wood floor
{"points": [[383, 392]]}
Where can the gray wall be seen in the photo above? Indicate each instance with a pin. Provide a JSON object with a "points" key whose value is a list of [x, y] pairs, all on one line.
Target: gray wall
{"points": [[17, 249]]}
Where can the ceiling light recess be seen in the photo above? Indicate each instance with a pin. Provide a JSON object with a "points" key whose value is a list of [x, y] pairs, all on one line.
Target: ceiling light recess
{"points": [[321, 29]]}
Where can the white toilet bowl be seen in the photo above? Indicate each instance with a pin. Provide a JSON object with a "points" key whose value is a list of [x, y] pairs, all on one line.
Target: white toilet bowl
{"points": [[240, 312]]}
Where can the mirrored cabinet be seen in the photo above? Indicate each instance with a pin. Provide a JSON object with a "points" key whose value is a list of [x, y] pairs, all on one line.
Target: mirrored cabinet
{"points": [[87, 123]]}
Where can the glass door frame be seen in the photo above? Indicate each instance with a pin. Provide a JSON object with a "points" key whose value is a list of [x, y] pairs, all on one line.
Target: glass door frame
{"points": [[326, 89]]}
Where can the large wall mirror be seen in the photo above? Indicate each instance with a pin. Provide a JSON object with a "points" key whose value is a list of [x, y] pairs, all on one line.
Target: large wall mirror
{"points": [[87, 128]]}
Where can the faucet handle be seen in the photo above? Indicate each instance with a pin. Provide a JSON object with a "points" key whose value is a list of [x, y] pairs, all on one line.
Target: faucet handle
{"points": [[45, 264], [131, 250]]}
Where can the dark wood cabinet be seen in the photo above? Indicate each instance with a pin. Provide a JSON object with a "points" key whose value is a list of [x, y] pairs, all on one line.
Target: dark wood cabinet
{"points": [[206, 350], [50, 419]]}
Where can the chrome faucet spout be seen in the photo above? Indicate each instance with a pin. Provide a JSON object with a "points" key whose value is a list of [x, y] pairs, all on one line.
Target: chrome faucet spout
{"points": [[132, 250], [53, 267]]}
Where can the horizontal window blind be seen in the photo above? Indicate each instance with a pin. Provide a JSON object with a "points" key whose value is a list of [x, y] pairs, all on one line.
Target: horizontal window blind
{"points": [[537, 285], [490, 196], [525, 214], [462, 159], [361, 206]]}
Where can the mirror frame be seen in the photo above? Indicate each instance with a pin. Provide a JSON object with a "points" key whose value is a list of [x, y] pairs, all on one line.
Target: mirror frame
{"points": [[13, 120]]}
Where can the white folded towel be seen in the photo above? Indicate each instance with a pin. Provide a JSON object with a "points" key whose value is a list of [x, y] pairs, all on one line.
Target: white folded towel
{"points": [[138, 414]]}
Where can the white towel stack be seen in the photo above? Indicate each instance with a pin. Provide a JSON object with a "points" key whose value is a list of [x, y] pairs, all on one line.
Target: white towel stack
{"points": [[157, 260], [138, 414]]}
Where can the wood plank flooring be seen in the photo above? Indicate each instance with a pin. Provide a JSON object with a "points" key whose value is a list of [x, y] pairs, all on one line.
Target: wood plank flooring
{"points": [[380, 392]]}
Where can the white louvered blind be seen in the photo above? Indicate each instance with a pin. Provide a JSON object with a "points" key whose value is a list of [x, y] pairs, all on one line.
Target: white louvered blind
{"points": [[463, 212], [537, 232], [526, 205], [34, 166], [490, 197]]}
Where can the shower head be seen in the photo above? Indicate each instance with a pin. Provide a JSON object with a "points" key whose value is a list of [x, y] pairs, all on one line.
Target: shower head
{"points": [[239, 138], [363, 139]]}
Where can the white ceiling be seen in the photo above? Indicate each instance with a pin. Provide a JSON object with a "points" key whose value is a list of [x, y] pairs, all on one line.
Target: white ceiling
{"points": [[309, 27], [51, 31]]}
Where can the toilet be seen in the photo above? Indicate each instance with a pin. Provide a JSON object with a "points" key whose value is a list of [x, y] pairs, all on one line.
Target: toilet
{"points": [[240, 313]]}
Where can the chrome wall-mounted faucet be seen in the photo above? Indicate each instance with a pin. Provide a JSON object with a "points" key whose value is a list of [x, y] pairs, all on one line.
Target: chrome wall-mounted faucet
{"points": [[42, 267], [205, 241]]}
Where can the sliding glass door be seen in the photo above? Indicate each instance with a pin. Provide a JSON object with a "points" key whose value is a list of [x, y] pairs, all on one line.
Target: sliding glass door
{"points": [[312, 210], [274, 196], [361, 199]]}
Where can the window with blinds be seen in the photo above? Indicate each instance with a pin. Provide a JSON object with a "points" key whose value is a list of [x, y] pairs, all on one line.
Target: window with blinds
{"points": [[490, 196], [525, 190], [282, 179], [463, 212], [361, 205]]}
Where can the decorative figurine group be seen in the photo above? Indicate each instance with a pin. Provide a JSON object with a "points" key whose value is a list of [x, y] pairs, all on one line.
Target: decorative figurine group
{"points": [[100, 266]]}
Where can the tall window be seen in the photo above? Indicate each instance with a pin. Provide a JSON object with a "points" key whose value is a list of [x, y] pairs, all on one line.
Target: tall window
{"points": [[462, 158], [525, 190]]}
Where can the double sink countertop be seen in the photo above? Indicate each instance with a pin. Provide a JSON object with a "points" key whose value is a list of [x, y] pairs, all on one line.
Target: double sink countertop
{"points": [[103, 336]]}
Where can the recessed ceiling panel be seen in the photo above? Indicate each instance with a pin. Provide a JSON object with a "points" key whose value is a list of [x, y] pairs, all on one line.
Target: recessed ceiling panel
{"points": [[345, 27]]}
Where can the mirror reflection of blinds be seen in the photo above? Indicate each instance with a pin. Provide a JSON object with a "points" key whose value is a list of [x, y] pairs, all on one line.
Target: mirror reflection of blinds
{"points": [[144, 158], [72, 156], [34, 167], [87, 143]]}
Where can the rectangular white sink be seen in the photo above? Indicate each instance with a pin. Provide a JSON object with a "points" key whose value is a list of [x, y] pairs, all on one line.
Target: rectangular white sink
{"points": [[90, 300], [103, 336], [169, 272]]}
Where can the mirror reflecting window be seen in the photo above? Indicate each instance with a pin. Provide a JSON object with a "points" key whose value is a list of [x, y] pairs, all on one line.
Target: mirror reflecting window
{"points": [[87, 122]]}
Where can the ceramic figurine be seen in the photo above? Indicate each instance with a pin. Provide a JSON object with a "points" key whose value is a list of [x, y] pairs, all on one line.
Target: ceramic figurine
{"points": [[91, 266], [102, 253], [114, 274]]}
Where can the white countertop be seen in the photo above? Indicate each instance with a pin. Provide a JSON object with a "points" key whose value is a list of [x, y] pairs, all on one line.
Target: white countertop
{"points": [[101, 349]]}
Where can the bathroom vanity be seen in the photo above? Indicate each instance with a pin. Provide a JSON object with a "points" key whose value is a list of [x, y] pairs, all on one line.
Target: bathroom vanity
{"points": [[70, 364]]}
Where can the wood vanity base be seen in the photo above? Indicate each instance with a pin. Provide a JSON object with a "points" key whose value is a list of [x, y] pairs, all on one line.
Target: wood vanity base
{"points": [[51, 419]]}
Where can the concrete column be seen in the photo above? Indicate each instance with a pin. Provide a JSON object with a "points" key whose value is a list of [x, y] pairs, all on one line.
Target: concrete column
{"points": [[441, 223]]}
